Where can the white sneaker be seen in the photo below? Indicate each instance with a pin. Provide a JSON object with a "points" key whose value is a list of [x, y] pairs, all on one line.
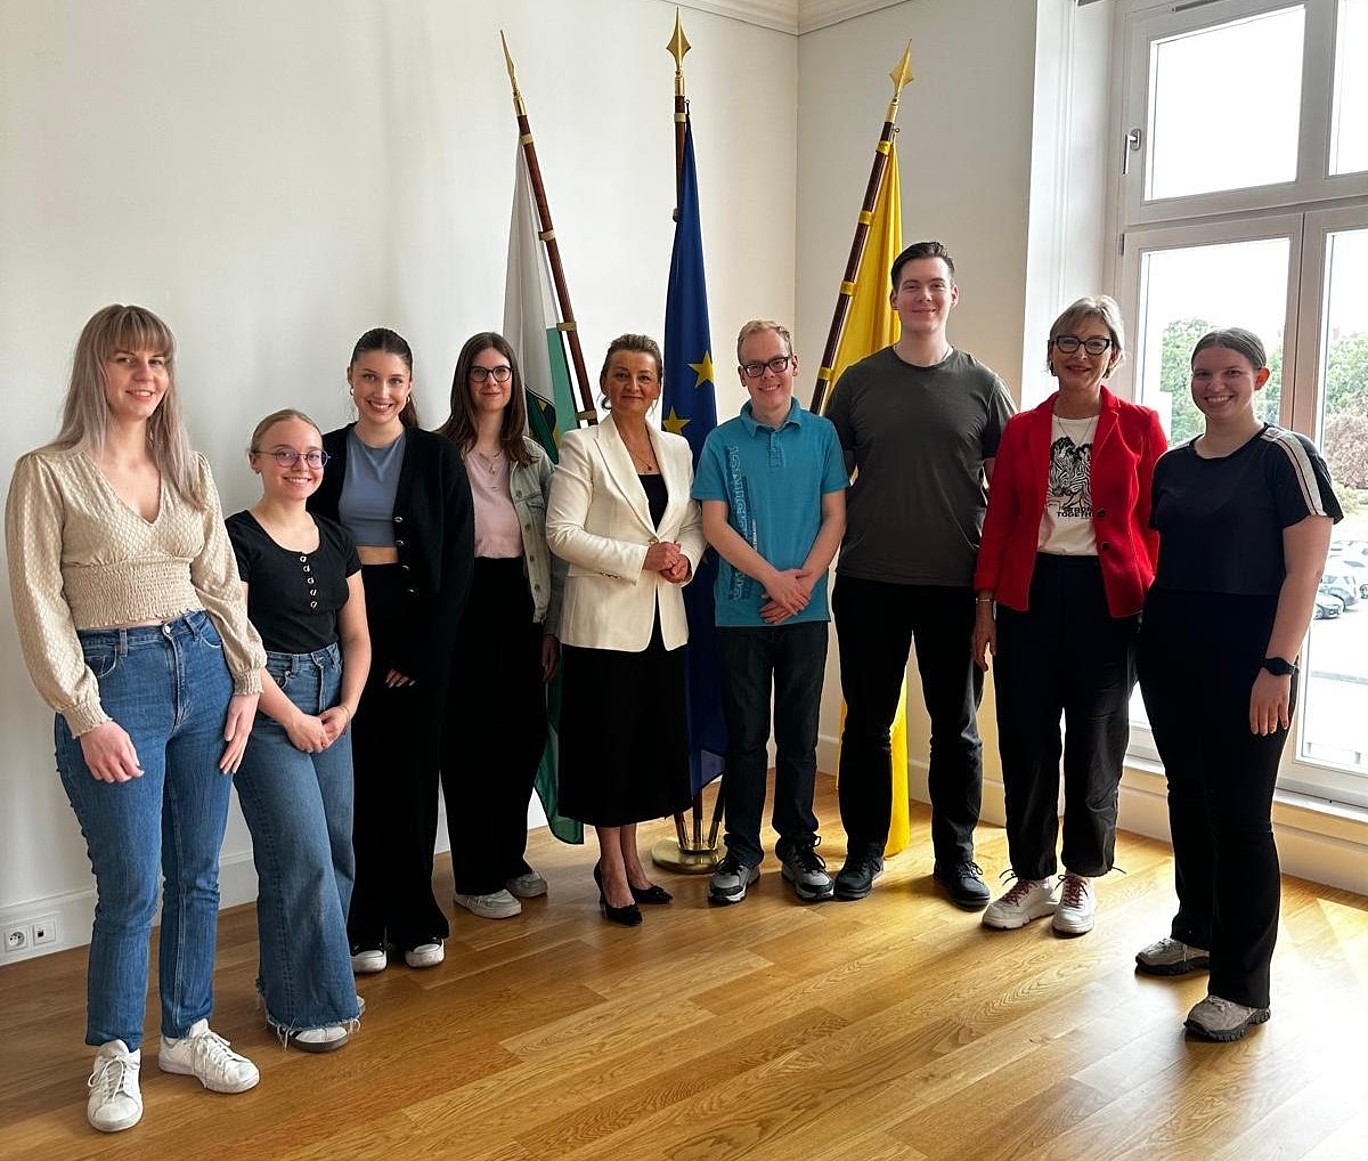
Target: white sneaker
{"points": [[1024, 900], [1077, 905], [328, 1038], [528, 885], [369, 960], [115, 1102], [205, 1055], [425, 955], [496, 905]]}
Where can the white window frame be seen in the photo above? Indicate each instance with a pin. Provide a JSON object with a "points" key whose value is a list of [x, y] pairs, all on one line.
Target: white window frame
{"points": [[1304, 211]]}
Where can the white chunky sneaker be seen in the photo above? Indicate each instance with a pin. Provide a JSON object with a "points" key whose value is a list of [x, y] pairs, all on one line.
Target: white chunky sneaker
{"points": [[1077, 905], [115, 1102], [495, 905], [328, 1038], [205, 1055], [1024, 900], [425, 955], [369, 960]]}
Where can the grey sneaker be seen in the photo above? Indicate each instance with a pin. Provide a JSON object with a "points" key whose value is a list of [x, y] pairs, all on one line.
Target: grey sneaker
{"points": [[115, 1101], [730, 880], [1024, 900], [495, 905], [1077, 908], [205, 1055], [1171, 957], [528, 885], [1219, 1019], [806, 870]]}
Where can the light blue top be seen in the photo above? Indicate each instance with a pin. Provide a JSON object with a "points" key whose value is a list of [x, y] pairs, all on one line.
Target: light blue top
{"points": [[366, 506], [772, 481]]}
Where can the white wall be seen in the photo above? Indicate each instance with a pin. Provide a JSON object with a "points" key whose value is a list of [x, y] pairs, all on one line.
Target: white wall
{"points": [[274, 178]]}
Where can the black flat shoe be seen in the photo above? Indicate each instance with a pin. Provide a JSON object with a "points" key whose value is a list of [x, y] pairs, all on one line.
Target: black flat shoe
{"points": [[629, 916], [652, 894]]}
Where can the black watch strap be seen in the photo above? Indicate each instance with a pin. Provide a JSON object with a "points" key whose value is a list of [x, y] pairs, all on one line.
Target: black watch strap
{"points": [[1279, 667]]}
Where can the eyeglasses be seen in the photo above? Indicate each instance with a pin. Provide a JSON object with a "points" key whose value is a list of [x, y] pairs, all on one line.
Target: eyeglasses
{"points": [[500, 374], [287, 457], [779, 364], [1068, 344]]}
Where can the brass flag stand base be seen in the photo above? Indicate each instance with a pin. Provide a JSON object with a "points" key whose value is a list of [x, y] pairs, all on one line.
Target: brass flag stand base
{"points": [[684, 857]]}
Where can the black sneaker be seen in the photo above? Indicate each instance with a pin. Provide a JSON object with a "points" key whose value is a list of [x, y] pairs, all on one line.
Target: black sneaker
{"points": [[856, 878], [964, 882], [806, 870]]}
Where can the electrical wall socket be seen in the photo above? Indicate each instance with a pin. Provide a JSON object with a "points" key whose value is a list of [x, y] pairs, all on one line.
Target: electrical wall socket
{"points": [[45, 930], [18, 938]]}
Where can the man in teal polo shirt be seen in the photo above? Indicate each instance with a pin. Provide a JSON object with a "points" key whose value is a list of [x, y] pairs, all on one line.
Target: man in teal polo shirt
{"points": [[772, 485]]}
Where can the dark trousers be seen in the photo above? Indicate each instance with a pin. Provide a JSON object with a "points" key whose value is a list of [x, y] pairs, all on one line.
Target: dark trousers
{"points": [[1065, 654], [495, 729], [875, 626], [396, 741], [790, 660], [1199, 654]]}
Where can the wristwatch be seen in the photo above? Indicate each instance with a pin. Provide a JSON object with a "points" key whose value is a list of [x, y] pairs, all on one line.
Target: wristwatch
{"points": [[1278, 667]]}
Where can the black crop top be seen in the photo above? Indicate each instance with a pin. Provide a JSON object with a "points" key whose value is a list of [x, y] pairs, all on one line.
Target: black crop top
{"points": [[293, 597]]}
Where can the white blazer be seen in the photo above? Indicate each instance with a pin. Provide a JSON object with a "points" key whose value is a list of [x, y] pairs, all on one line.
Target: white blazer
{"points": [[598, 521]]}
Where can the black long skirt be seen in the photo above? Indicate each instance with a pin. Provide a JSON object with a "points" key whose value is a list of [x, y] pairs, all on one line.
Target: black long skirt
{"points": [[623, 742]]}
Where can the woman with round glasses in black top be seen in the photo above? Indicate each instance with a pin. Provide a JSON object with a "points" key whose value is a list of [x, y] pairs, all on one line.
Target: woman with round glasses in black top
{"points": [[304, 595]]}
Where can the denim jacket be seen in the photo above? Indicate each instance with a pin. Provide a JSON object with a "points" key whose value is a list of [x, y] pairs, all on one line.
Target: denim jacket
{"points": [[530, 485]]}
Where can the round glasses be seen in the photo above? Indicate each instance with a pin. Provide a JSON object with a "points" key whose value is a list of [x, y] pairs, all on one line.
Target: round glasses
{"points": [[779, 364], [287, 457], [1068, 344], [500, 374]]}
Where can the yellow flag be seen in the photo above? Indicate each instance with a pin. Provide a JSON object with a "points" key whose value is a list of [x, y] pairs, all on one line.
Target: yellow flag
{"points": [[871, 325]]}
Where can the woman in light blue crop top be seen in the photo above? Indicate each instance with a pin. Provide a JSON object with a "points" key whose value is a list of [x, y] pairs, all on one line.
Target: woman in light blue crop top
{"points": [[402, 494]]}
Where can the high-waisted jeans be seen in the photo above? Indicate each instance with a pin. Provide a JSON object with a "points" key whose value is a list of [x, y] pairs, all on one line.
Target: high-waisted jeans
{"points": [[168, 686], [298, 807]]}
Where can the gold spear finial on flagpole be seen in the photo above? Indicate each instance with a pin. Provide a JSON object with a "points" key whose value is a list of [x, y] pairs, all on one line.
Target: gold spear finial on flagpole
{"points": [[518, 106], [899, 76], [678, 46]]}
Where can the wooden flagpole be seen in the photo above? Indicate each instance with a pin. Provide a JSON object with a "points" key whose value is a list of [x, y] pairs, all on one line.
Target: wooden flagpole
{"points": [[900, 76], [547, 234]]}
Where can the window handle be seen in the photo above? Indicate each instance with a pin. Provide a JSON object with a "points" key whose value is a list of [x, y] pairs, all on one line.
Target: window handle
{"points": [[1134, 140]]}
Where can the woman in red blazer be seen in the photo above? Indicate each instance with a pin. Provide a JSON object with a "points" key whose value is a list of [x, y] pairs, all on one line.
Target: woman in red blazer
{"points": [[1067, 555]]}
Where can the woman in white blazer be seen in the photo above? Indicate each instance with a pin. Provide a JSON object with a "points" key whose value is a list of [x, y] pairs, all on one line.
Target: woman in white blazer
{"points": [[621, 517]]}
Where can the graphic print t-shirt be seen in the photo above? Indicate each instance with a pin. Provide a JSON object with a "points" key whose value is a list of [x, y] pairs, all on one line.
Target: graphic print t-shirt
{"points": [[1066, 525]]}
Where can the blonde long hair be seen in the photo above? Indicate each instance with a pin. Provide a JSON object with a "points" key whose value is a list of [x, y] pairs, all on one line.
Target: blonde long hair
{"points": [[85, 413]]}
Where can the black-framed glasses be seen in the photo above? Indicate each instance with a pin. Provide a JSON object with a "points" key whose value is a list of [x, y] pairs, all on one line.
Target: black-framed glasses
{"points": [[1068, 344], [287, 457], [500, 374], [779, 364]]}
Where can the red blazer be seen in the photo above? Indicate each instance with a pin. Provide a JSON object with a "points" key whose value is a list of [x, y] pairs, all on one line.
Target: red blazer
{"points": [[1128, 442]]}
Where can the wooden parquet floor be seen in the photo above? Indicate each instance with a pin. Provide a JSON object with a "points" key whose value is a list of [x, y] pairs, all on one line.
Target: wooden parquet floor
{"points": [[896, 1027]]}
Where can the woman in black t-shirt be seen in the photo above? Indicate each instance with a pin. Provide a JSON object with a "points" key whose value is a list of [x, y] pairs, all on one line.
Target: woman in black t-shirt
{"points": [[304, 595], [1244, 514]]}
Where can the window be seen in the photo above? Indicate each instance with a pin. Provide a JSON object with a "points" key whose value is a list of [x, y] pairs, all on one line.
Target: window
{"points": [[1242, 199]]}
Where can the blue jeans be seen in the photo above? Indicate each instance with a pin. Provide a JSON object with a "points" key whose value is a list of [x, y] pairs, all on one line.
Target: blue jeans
{"points": [[791, 660], [298, 807], [168, 686]]}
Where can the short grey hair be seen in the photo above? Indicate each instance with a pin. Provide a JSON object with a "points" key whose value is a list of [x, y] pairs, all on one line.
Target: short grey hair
{"points": [[1102, 307]]}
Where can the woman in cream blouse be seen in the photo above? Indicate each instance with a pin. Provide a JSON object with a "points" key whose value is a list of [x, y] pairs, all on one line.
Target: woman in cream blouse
{"points": [[621, 516], [134, 630]]}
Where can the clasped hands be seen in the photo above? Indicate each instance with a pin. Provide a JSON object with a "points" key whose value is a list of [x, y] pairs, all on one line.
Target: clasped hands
{"points": [[666, 558], [314, 733], [787, 593]]}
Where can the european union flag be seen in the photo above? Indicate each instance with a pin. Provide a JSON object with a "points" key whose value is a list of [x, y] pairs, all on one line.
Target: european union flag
{"points": [[691, 411]]}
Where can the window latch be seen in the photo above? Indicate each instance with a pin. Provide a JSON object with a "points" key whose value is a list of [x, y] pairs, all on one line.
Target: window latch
{"points": [[1134, 140]]}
